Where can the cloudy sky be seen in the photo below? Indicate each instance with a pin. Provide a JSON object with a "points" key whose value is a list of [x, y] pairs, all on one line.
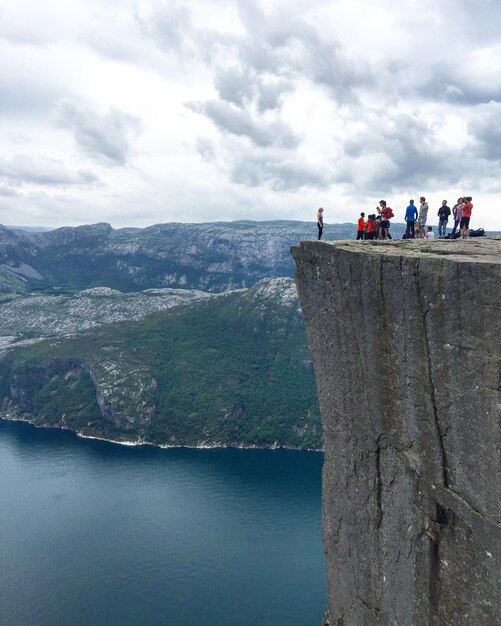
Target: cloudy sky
{"points": [[140, 112]]}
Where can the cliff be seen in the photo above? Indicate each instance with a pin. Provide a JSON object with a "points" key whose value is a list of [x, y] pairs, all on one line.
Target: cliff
{"points": [[404, 338]]}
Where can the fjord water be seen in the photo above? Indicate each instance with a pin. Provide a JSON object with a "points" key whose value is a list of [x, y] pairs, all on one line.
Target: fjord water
{"points": [[93, 533]]}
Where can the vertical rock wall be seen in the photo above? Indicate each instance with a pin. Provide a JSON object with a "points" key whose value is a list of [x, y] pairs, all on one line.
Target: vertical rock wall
{"points": [[405, 339]]}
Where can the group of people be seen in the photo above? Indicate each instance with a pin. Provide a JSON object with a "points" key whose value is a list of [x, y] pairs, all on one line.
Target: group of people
{"points": [[461, 213], [377, 225]]}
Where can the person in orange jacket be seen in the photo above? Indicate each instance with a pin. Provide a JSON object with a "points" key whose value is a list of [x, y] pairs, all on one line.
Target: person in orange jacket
{"points": [[361, 226], [372, 227]]}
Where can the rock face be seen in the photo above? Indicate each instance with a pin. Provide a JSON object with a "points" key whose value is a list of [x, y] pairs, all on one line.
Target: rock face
{"points": [[405, 342]]}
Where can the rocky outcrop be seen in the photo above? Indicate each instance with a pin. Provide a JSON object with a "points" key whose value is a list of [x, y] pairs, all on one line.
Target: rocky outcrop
{"points": [[46, 316], [405, 342], [68, 235], [41, 392], [66, 393], [16, 251]]}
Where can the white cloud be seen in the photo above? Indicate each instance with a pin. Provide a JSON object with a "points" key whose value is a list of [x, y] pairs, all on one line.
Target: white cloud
{"points": [[29, 169], [292, 105], [105, 136], [238, 121]]}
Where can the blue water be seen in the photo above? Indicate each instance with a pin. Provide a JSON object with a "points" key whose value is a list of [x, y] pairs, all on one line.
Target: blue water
{"points": [[93, 533]]}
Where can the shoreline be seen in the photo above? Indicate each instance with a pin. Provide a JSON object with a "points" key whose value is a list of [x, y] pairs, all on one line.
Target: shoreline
{"points": [[162, 446]]}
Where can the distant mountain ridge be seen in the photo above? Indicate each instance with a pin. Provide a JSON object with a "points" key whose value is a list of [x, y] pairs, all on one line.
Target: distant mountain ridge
{"points": [[213, 257], [27, 229]]}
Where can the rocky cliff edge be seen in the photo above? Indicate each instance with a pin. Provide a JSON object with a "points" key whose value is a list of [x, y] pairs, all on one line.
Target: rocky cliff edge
{"points": [[405, 341]]}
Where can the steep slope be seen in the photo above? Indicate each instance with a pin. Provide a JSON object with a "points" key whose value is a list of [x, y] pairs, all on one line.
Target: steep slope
{"points": [[405, 339], [228, 370], [10, 282], [16, 252]]}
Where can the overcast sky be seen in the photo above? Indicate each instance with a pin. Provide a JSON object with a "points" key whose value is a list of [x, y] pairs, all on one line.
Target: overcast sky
{"points": [[140, 112]]}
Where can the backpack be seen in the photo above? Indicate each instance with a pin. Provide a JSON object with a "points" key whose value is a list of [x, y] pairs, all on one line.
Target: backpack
{"points": [[480, 232], [388, 214]]}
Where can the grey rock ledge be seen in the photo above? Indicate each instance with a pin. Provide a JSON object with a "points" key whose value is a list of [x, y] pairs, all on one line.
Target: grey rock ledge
{"points": [[405, 341]]}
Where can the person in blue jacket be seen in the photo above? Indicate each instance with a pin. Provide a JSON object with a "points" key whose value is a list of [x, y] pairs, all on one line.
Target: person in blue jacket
{"points": [[411, 214]]}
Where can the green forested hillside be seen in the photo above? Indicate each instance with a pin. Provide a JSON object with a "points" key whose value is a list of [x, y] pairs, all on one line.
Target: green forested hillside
{"points": [[229, 370]]}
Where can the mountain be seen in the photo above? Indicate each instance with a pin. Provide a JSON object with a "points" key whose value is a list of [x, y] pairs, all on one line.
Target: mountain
{"points": [[16, 262], [41, 316], [27, 229], [212, 257], [228, 370]]}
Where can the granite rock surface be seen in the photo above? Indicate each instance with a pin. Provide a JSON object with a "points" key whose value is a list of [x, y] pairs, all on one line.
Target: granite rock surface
{"points": [[405, 340]]}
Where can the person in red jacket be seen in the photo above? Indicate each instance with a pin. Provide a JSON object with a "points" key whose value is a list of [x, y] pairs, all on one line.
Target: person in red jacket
{"points": [[465, 220], [372, 227], [361, 226], [386, 214]]}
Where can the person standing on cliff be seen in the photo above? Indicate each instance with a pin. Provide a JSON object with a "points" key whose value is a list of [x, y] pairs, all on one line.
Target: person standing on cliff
{"points": [[423, 216], [411, 214], [320, 222], [443, 217], [372, 227], [465, 220], [386, 214], [457, 212], [361, 226]]}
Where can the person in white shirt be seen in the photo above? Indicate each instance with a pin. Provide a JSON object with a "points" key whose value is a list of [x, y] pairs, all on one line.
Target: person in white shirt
{"points": [[423, 216], [429, 233]]}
